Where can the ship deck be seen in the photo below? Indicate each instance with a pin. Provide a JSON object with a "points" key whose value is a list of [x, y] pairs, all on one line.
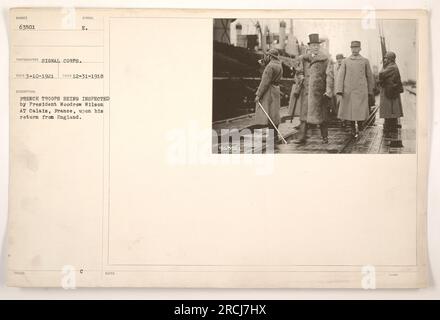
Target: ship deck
{"points": [[370, 141]]}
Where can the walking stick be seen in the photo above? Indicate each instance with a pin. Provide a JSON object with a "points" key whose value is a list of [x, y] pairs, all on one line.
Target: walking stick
{"points": [[284, 140], [294, 108], [296, 100]]}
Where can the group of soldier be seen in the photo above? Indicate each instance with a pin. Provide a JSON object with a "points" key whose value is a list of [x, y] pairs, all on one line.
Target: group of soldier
{"points": [[348, 85]]}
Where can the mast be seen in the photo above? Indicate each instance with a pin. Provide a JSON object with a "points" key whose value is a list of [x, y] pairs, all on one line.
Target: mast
{"points": [[382, 40], [262, 36]]}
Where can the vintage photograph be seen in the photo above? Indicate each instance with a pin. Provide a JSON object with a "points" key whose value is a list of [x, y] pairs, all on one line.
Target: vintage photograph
{"points": [[314, 86], [122, 175]]}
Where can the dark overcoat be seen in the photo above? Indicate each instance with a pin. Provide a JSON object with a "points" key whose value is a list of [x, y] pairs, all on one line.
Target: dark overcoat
{"points": [[391, 88], [269, 93]]}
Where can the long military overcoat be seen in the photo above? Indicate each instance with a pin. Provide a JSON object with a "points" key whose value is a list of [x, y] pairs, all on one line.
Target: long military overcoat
{"points": [[391, 88], [355, 81], [269, 93]]}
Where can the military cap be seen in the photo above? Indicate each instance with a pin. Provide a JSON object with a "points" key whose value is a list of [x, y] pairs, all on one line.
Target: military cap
{"points": [[390, 56], [273, 52]]}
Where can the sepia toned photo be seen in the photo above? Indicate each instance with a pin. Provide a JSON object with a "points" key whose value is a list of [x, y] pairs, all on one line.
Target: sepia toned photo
{"points": [[314, 86]]}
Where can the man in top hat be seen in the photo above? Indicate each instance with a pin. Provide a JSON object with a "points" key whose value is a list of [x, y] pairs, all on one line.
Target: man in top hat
{"points": [[332, 74], [354, 85], [313, 100], [268, 92], [391, 88]]}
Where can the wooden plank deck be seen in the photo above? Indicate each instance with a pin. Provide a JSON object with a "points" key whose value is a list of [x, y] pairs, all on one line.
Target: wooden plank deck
{"points": [[373, 140], [370, 141]]}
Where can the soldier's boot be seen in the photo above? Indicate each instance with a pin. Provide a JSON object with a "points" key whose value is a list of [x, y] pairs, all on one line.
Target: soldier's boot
{"points": [[388, 128], [324, 132], [394, 125], [354, 129], [302, 133], [255, 127]]}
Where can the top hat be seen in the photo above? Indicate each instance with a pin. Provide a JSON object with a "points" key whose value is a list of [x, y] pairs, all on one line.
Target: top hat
{"points": [[340, 56], [314, 38], [355, 44]]}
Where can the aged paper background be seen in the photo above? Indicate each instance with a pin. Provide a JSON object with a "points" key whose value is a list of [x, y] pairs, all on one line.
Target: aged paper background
{"points": [[107, 197]]}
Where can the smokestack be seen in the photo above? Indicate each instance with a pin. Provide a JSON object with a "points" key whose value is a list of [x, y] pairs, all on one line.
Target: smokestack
{"points": [[264, 40], [292, 46], [282, 35], [238, 29]]}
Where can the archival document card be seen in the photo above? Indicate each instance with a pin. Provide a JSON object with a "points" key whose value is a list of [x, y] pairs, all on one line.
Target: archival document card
{"points": [[218, 148]]}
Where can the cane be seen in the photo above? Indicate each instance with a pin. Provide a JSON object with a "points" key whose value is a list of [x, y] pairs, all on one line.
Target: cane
{"points": [[284, 140], [294, 108], [296, 100]]}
